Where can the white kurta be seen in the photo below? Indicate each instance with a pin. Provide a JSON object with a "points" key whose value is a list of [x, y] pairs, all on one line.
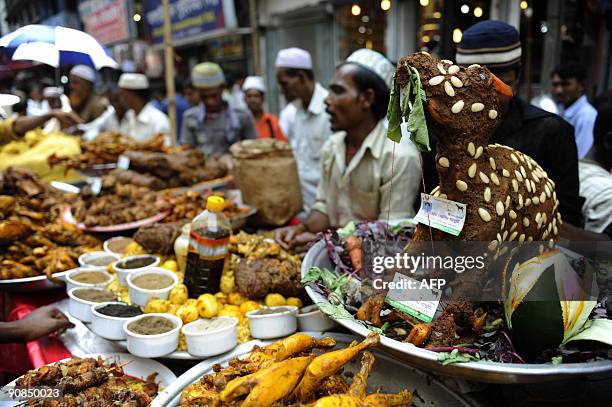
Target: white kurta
{"points": [[146, 124]]}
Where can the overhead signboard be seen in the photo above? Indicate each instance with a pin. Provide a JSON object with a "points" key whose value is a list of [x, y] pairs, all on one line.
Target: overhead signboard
{"points": [[190, 19]]}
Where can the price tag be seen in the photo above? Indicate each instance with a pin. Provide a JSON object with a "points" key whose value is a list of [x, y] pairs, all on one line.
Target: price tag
{"points": [[414, 297], [123, 162], [96, 185], [443, 214]]}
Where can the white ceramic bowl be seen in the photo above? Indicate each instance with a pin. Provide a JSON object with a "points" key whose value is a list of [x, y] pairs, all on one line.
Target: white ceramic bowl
{"points": [[213, 342], [106, 326], [140, 296], [270, 326], [153, 346], [79, 308], [311, 319], [121, 240], [88, 259], [71, 283], [122, 274]]}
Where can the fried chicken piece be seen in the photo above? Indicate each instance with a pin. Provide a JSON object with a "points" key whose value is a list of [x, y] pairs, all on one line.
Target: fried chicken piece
{"points": [[334, 384], [11, 231], [7, 203], [267, 385], [359, 385], [329, 363], [370, 310], [403, 398]]}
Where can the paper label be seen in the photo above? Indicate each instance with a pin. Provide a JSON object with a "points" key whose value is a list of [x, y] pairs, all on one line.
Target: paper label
{"points": [[96, 185], [123, 162], [423, 302], [443, 214]]}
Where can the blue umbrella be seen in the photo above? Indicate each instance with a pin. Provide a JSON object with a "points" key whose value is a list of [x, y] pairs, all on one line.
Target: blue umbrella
{"points": [[56, 46]]}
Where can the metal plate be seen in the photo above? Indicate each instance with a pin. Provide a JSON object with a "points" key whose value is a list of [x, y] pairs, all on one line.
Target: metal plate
{"points": [[68, 217], [491, 372], [30, 284], [133, 366], [388, 374]]}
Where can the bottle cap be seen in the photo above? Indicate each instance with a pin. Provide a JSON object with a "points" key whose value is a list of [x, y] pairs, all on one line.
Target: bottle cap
{"points": [[215, 203]]}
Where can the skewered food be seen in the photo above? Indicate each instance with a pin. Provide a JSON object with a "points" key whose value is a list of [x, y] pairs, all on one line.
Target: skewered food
{"points": [[288, 372], [90, 382]]}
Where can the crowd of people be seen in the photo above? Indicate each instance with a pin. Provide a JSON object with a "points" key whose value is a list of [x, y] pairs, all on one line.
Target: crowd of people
{"points": [[338, 132]]}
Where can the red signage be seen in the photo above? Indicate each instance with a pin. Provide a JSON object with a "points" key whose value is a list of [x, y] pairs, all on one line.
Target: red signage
{"points": [[105, 20]]}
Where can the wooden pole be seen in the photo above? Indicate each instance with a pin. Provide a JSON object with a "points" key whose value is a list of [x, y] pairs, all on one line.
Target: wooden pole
{"points": [[169, 64], [254, 36]]}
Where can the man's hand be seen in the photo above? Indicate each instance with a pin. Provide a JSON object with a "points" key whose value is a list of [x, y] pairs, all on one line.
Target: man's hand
{"points": [[302, 242], [43, 321], [66, 119], [285, 236]]}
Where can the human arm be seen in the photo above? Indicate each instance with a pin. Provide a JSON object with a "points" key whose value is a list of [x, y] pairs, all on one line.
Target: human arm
{"points": [[40, 322], [187, 134], [23, 124], [247, 127], [583, 133]]}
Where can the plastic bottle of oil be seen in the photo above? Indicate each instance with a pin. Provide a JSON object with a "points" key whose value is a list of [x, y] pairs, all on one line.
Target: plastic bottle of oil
{"points": [[208, 241]]}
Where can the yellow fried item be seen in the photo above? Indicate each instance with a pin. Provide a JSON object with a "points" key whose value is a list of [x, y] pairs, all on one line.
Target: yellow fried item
{"points": [[249, 306], [188, 313], [329, 363], [221, 298], [225, 312], [236, 298], [338, 400], [171, 265], [267, 385], [228, 282], [294, 301], [156, 305], [359, 385], [178, 295], [133, 249], [403, 398], [207, 306], [275, 300]]}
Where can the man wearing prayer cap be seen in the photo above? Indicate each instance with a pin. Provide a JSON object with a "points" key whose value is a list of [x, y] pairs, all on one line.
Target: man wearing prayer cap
{"points": [[213, 125], [266, 124], [83, 98], [142, 121], [310, 128], [544, 136], [359, 164]]}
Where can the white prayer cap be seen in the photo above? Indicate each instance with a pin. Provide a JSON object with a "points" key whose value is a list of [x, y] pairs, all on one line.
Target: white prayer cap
{"points": [[84, 72], [254, 82], [7, 99], [53, 92], [134, 81], [375, 62], [296, 58]]}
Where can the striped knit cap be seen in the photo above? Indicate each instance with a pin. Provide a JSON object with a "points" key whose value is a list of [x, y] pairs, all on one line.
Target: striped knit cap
{"points": [[494, 44]]}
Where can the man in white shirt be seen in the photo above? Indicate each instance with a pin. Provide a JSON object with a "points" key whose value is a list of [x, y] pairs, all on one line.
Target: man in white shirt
{"points": [[595, 177], [568, 85], [364, 175], [310, 128], [142, 121]]}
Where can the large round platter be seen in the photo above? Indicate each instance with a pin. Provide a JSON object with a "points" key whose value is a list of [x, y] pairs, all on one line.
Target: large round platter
{"points": [[133, 366], [68, 217], [388, 373], [29, 284], [491, 372]]}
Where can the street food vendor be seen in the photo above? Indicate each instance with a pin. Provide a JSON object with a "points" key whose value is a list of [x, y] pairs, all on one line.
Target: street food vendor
{"points": [[266, 123], [545, 137], [213, 125], [83, 98], [364, 175], [310, 128], [142, 121]]}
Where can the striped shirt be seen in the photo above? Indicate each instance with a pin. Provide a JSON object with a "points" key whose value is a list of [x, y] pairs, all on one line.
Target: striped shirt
{"points": [[596, 188]]}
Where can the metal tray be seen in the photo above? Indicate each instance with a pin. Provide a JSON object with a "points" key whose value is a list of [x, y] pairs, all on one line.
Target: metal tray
{"points": [[30, 284], [490, 372], [388, 373]]}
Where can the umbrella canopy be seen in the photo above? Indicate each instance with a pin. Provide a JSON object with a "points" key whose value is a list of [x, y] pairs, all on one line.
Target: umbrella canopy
{"points": [[56, 46]]}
